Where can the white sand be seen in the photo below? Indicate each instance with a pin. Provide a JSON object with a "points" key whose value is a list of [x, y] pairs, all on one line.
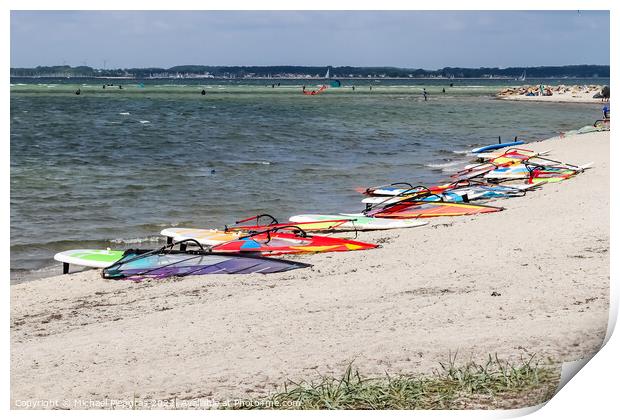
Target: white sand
{"points": [[571, 94], [401, 308]]}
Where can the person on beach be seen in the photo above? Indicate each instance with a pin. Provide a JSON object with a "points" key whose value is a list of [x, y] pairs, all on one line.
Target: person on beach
{"points": [[605, 94], [605, 112]]}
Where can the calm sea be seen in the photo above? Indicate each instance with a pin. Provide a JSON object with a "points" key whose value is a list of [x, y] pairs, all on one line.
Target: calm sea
{"points": [[112, 167]]}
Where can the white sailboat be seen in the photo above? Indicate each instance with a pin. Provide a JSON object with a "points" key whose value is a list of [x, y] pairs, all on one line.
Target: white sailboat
{"points": [[327, 74], [522, 78]]}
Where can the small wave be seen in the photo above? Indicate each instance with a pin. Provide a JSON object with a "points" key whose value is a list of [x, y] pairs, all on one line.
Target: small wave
{"points": [[137, 240], [443, 165], [249, 162], [124, 113], [145, 122], [461, 152]]}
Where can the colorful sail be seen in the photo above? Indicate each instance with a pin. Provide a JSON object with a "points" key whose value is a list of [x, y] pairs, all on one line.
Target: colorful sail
{"points": [[418, 209], [141, 265], [278, 243]]}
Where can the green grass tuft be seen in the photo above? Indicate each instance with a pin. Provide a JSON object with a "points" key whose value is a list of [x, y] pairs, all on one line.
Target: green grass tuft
{"points": [[494, 384]]}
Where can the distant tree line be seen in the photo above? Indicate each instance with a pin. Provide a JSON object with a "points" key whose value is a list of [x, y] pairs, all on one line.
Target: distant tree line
{"points": [[582, 71]]}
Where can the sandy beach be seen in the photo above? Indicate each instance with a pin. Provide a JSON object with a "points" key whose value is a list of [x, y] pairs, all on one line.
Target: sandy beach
{"points": [[568, 94], [530, 280]]}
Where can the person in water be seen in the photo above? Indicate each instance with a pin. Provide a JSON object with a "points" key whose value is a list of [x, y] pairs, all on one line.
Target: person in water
{"points": [[77, 92], [425, 94], [204, 92], [120, 86], [443, 90]]}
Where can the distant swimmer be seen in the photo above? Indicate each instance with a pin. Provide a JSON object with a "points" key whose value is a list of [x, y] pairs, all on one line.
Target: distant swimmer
{"points": [[303, 88], [204, 92], [120, 86], [278, 84], [451, 84], [77, 92], [443, 90], [273, 85], [103, 86], [353, 87], [425, 95], [370, 87]]}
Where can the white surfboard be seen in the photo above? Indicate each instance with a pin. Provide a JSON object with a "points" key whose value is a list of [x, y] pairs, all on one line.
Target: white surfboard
{"points": [[95, 258], [203, 236], [360, 221]]}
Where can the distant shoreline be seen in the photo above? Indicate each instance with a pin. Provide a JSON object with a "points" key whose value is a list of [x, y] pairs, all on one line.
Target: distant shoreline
{"points": [[303, 78]]}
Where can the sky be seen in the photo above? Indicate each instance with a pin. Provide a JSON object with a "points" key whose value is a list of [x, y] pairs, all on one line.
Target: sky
{"points": [[410, 39]]}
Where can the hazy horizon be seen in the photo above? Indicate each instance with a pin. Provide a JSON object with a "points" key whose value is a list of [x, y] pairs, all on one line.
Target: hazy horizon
{"points": [[310, 66], [405, 39]]}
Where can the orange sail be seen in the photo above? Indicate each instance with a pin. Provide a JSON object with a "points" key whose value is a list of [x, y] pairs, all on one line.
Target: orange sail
{"points": [[417, 209], [315, 92]]}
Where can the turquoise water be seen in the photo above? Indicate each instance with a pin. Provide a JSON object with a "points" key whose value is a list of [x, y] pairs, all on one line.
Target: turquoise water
{"points": [[112, 167]]}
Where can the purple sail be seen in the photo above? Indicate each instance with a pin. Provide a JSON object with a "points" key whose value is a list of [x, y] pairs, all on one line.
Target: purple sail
{"points": [[157, 266]]}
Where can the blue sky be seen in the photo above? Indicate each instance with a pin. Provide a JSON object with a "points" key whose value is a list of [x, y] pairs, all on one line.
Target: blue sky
{"points": [[416, 39]]}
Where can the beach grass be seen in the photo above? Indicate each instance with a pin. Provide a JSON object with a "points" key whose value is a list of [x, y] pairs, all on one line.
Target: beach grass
{"points": [[494, 384]]}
